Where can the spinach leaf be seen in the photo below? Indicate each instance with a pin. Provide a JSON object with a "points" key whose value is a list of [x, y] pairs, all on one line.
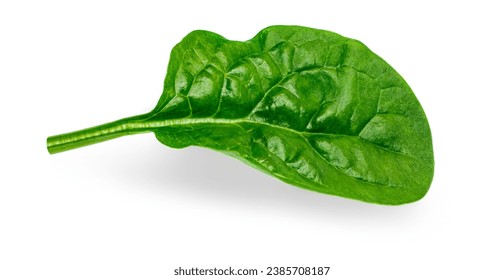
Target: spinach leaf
{"points": [[310, 107]]}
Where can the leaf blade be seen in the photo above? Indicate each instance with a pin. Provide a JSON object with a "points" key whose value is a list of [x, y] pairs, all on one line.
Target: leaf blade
{"points": [[351, 120]]}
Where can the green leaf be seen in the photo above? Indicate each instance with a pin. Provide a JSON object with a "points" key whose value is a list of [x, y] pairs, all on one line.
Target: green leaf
{"points": [[310, 107]]}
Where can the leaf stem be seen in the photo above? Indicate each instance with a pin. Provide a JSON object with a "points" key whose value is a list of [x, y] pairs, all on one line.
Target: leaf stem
{"points": [[72, 140]]}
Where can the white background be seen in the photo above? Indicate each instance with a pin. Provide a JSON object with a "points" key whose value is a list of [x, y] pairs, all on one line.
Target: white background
{"points": [[132, 208]]}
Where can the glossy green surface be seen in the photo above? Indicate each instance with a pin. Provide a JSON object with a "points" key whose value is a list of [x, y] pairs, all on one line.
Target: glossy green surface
{"points": [[310, 107]]}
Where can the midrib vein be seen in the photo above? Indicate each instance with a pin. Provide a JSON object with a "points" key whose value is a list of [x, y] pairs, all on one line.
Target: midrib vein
{"points": [[153, 125]]}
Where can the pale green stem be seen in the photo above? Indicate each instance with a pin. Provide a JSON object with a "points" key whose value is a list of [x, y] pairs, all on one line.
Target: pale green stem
{"points": [[68, 141]]}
